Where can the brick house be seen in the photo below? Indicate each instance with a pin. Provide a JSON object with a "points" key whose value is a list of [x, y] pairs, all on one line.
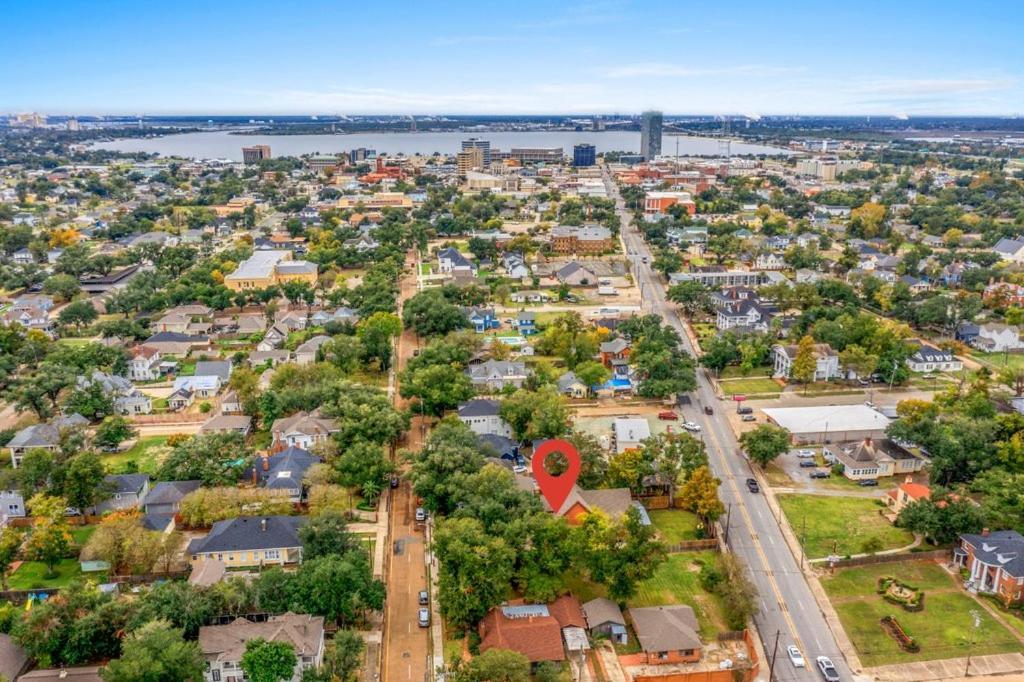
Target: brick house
{"points": [[667, 634], [995, 563]]}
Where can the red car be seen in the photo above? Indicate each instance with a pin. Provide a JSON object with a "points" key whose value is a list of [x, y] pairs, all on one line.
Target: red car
{"points": [[668, 416]]}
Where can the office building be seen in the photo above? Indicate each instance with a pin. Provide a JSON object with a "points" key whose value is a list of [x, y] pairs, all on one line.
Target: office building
{"points": [[650, 134], [584, 155], [361, 154], [255, 153], [469, 159], [537, 154], [265, 268], [483, 145], [73, 125]]}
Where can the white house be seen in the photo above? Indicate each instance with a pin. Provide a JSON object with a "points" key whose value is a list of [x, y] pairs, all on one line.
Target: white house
{"points": [[997, 337], [630, 432], [483, 417], [826, 361], [145, 364], [931, 359], [1010, 250]]}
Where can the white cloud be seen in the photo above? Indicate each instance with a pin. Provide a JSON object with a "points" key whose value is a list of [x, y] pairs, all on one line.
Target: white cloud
{"points": [[934, 86], [663, 69]]}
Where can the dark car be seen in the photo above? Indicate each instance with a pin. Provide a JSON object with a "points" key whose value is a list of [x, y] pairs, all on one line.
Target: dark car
{"points": [[745, 410], [820, 474], [394, 481], [867, 483], [708, 409], [808, 464], [752, 485]]}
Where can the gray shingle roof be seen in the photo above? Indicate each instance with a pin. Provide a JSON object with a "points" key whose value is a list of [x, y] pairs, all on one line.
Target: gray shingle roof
{"points": [[250, 533]]}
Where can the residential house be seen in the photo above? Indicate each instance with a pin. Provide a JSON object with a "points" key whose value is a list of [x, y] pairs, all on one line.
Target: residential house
{"points": [[526, 322], [916, 285], [570, 385], [228, 423], [174, 343], [826, 361], [223, 646], [745, 315], [258, 358], [180, 399], [612, 502], [482, 319], [251, 541], [42, 436], [306, 353], [483, 416], [495, 375], [30, 317], [126, 492], [450, 261], [604, 617], [575, 274], [928, 358], [1011, 250], [873, 458], [231, 403], [540, 632], [144, 364], [302, 430], [998, 294], [127, 399], [214, 368], [274, 337], [615, 355], [769, 261], [994, 563], [515, 266], [284, 472], [165, 497], [14, 660], [904, 494], [504, 447], [629, 433], [529, 296], [667, 634], [995, 337], [198, 386]]}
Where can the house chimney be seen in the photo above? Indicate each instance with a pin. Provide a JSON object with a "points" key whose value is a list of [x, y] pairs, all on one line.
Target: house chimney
{"points": [[867, 441], [263, 524], [266, 463], [984, 532], [908, 479]]}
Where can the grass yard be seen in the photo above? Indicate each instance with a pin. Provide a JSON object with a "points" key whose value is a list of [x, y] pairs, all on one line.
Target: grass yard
{"points": [[750, 386], [998, 361], [31, 575], [734, 372], [147, 454], [674, 525], [677, 581], [81, 534], [944, 629], [848, 522]]}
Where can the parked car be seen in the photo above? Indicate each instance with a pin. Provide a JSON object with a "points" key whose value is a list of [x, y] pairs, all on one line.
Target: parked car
{"points": [[752, 485], [394, 481], [421, 514], [708, 409], [745, 410], [808, 464], [795, 657], [668, 416], [868, 482], [424, 598], [748, 418], [691, 426], [828, 670], [423, 619], [805, 453], [821, 474]]}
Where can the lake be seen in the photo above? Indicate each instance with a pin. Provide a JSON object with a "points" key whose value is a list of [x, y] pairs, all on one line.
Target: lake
{"points": [[223, 145]]}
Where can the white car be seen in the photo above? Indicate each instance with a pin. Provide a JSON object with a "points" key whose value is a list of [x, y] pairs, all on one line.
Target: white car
{"points": [[691, 426], [795, 657], [805, 454], [828, 670]]}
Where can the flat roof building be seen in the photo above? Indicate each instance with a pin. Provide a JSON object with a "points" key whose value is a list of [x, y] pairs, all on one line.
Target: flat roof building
{"points": [[255, 153], [830, 423], [265, 268]]}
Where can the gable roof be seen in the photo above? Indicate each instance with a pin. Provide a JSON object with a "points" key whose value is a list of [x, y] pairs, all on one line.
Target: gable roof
{"points": [[480, 407], [213, 368], [249, 533], [126, 483], [227, 642], [665, 628], [170, 492], [601, 610], [538, 637]]}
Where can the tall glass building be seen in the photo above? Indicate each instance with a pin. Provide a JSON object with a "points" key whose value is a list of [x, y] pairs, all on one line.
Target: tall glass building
{"points": [[650, 134], [584, 155]]}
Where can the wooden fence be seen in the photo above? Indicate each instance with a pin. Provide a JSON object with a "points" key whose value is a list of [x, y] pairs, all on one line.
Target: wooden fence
{"points": [[692, 545]]}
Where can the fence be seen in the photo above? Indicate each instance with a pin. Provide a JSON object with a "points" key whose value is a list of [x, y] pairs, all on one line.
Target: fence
{"points": [[692, 545], [932, 555]]}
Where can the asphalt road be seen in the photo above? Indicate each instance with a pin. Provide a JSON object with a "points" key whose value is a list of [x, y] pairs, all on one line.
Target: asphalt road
{"points": [[786, 604]]}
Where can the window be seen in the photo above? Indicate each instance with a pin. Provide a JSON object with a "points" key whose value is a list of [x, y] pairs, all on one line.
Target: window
{"points": [[272, 554], [662, 655], [215, 674]]}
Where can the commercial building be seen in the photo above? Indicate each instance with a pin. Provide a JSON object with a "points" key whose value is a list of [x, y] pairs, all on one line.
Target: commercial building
{"points": [[650, 134], [255, 153], [537, 154], [994, 562], [590, 239], [484, 146], [469, 159], [659, 202], [265, 268], [584, 155], [829, 423], [318, 163]]}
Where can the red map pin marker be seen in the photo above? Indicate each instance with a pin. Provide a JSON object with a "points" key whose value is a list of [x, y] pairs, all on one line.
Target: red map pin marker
{"points": [[556, 488]]}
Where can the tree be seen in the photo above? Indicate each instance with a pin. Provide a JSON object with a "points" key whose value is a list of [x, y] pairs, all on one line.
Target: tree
{"points": [[476, 569], [667, 262], [363, 462], [493, 665], [343, 656], [214, 459], [700, 496], [805, 365], [592, 373], [345, 352], [63, 287], [439, 387], [536, 414], [438, 469], [376, 333], [157, 652], [50, 540], [429, 313], [765, 443], [339, 588], [327, 535], [620, 554], [10, 545], [113, 431], [124, 543], [942, 517], [83, 484], [857, 360], [265, 661], [207, 505], [692, 296], [77, 314]]}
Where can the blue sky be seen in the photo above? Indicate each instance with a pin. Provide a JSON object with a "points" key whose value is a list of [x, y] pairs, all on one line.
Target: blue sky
{"points": [[614, 56]]}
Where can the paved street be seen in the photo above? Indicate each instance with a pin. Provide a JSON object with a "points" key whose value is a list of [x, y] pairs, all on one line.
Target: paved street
{"points": [[786, 603]]}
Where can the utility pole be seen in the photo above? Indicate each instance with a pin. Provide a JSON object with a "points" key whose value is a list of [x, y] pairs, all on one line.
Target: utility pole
{"points": [[775, 650], [728, 517], [803, 539]]}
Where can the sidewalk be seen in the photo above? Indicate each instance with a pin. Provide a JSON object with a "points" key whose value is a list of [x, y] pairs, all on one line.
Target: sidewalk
{"points": [[918, 539]]}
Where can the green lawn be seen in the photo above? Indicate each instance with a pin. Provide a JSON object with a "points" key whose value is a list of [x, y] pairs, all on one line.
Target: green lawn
{"points": [[30, 575], [734, 372], [81, 534], [999, 360], [677, 581], [752, 386], [146, 453], [944, 629], [846, 522], [674, 525]]}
